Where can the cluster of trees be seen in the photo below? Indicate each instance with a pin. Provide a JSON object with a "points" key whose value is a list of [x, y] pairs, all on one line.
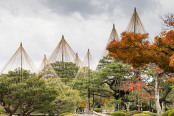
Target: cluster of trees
{"points": [[135, 75], [136, 50], [34, 94]]}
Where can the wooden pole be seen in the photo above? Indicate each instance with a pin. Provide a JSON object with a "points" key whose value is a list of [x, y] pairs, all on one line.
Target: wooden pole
{"points": [[89, 82]]}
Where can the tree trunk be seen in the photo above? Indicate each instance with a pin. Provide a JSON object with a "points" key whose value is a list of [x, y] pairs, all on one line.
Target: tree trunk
{"points": [[139, 106], [157, 102], [28, 114], [127, 105], [163, 106]]}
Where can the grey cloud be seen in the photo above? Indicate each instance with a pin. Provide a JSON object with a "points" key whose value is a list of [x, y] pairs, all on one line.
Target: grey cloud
{"points": [[141, 5], [86, 8], [67, 7]]}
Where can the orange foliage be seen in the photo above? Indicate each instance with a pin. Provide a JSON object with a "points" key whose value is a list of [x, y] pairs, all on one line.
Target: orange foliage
{"points": [[135, 49], [171, 80], [157, 70], [137, 89], [83, 103], [169, 21], [171, 64], [130, 49], [143, 96], [131, 86], [163, 49], [105, 100]]}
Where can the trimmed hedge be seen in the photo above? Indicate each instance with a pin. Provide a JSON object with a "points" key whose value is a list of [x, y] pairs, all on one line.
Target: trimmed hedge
{"points": [[171, 113], [68, 114], [141, 114], [166, 113], [131, 113], [151, 114], [2, 111], [118, 113], [97, 109]]}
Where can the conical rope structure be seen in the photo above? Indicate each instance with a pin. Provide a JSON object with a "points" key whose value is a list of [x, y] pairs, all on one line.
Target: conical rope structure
{"points": [[19, 61], [135, 25], [87, 64], [63, 52], [113, 37], [86, 70], [77, 60], [48, 72]]}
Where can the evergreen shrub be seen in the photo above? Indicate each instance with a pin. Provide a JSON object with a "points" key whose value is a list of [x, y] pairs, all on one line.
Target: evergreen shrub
{"points": [[141, 114], [118, 113], [97, 109]]}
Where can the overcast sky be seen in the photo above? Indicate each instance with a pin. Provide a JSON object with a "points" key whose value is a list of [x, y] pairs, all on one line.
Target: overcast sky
{"points": [[39, 24]]}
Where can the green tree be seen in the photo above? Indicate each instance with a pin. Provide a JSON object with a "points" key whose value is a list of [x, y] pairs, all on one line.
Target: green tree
{"points": [[67, 100], [65, 70], [25, 95], [114, 73]]}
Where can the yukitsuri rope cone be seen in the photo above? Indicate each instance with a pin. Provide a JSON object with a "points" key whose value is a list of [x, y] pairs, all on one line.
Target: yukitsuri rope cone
{"points": [[77, 60], [86, 66], [48, 72], [19, 61], [113, 37], [135, 25], [63, 52], [87, 74]]}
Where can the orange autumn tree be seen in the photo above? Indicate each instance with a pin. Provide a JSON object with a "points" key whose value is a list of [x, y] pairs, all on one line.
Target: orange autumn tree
{"points": [[169, 20], [137, 88], [130, 49], [135, 49], [171, 80], [163, 48]]}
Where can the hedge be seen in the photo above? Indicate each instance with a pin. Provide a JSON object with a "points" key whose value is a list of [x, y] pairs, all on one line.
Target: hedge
{"points": [[141, 114], [118, 113]]}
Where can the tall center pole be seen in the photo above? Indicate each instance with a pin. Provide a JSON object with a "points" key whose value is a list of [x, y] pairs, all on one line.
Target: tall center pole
{"points": [[44, 64], [21, 76], [62, 48], [89, 83], [21, 59], [93, 96], [135, 20]]}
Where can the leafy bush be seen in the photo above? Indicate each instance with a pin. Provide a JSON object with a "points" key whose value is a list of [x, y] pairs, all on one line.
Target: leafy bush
{"points": [[171, 113], [125, 111], [68, 114], [2, 111], [151, 114], [97, 109], [141, 114], [3, 114], [118, 113], [131, 113], [166, 112]]}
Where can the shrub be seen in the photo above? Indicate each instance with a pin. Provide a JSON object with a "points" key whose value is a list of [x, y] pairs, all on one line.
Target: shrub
{"points": [[125, 111], [171, 113], [141, 114], [68, 114], [131, 113], [151, 113], [166, 112], [2, 111], [118, 113], [3, 114], [97, 109]]}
